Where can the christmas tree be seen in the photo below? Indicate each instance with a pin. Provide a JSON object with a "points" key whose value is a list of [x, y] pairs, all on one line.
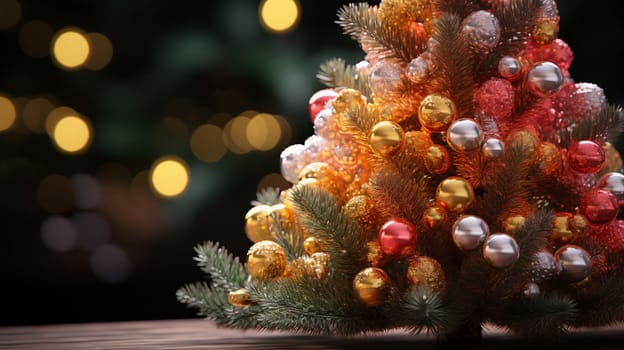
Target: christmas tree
{"points": [[456, 176]]}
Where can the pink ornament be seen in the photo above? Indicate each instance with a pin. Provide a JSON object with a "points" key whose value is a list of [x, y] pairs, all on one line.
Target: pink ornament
{"points": [[586, 157], [584, 101], [599, 206], [319, 100], [557, 52], [397, 237], [495, 98]]}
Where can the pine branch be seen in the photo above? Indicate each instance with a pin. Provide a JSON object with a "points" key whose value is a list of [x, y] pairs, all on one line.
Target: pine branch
{"points": [[543, 315], [605, 126], [289, 235], [420, 309], [336, 73], [360, 120], [360, 21], [225, 271]]}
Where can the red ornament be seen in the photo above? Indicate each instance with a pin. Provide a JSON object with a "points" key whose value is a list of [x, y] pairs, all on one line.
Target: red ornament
{"points": [[586, 157], [495, 98], [557, 52], [319, 100], [599, 206], [397, 237]]}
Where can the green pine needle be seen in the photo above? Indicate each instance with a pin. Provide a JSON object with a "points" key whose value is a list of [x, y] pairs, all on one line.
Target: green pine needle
{"points": [[225, 271], [335, 73]]}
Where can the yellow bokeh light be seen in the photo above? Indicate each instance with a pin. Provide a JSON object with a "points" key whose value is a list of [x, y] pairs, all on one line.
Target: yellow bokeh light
{"points": [[55, 115], [72, 134], [71, 48], [169, 176], [235, 135], [279, 16], [7, 113], [35, 112], [101, 51], [207, 143], [263, 132]]}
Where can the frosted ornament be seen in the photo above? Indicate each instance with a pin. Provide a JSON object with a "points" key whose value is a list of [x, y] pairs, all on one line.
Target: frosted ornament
{"points": [[291, 162], [385, 77], [482, 30]]}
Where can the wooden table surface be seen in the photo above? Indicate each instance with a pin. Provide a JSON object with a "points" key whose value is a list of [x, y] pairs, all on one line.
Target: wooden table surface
{"points": [[201, 334]]}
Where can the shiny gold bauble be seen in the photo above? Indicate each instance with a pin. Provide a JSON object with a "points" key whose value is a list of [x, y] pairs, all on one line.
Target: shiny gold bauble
{"points": [[312, 245], [318, 265], [372, 286], [561, 230], [578, 225], [315, 170], [281, 213], [549, 159], [546, 30], [374, 254], [266, 260], [296, 269], [427, 271], [347, 98], [455, 194], [386, 137], [258, 223], [525, 140], [240, 298], [434, 217], [437, 159], [514, 223], [361, 209], [436, 112]]}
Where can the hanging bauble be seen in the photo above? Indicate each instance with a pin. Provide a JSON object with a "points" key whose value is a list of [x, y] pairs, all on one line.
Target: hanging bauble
{"points": [[258, 223], [318, 265], [418, 69], [509, 68], [312, 245], [531, 290], [545, 79], [374, 255], [464, 135], [481, 29], [434, 217], [240, 298], [292, 162], [544, 266], [614, 183], [386, 77], [436, 112], [266, 260], [397, 237], [372, 286], [586, 157], [493, 148], [501, 250], [386, 137], [318, 101], [427, 272], [561, 230], [437, 159], [546, 30], [469, 232], [574, 261], [514, 223], [454, 193], [599, 206]]}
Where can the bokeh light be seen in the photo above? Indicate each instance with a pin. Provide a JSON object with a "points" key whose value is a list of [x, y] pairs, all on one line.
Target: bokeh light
{"points": [[235, 135], [55, 115], [263, 132], [71, 48], [169, 176], [8, 113], [34, 38], [279, 16], [55, 194], [10, 13], [58, 234], [72, 134], [92, 230], [35, 112], [101, 52], [110, 263], [207, 143], [87, 191], [273, 180]]}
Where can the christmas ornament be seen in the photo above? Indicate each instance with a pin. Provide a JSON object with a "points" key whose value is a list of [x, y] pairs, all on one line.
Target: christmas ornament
{"points": [[315, 170], [361, 208], [258, 223], [372, 286], [437, 159], [614, 183], [266, 260], [556, 52], [584, 101], [495, 98], [385, 77], [531, 290], [397, 237], [482, 30], [323, 122], [427, 272], [318, 264], [374, 255], [240, 298], [501, 250], [561, 231], [549, 159], [464, 135], [493, 148], [469, 232], [436, 112], [318, 101], [434, 216], [545, 78], [509, 68], [546, 30], [613, 161], [514, 223], [544, 266], [347, 98], [574, 261], [291, 162], [586, 157], [454, 193], [418, 68], [599, 206], [312, 245], [386, 137], [525, 140]]}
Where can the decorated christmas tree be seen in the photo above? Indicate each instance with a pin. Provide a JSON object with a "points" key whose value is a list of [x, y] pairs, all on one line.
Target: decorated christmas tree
{"points": [[456, 176]]}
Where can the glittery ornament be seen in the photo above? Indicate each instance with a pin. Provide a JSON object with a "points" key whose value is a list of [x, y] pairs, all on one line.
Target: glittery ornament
{"points": [[613, 160], [548, 159], [437, 159], [240, 298], [434, 217], [346, 99], [546, 30], [544, 266], [318, 101], [493, 148], [454, 193], [523, 139], [464, 135], [372, 286], [586, 157], [417, 143], [495, 97], [531, 290], [291, 162], [360, 208], [436, 112], [312, 245], [322, 123], [418, 69], [578, 225], [397, 237], [614, 183], [584, 101], [514, 223], [315, 170], [557, 52], [509, 68], [280, 214], [426, 271], [258, 223], [318, 265], [266, 260], [469, 232], [314, 146], [481, 29], [561, 230], [374, 255], [574, 261], [599, 206], [386, 137], [501, 250], [545, 79], [385, 77]]}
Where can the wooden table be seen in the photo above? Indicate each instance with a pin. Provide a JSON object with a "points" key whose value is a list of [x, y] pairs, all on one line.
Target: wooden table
{"points": [[201, 334]]}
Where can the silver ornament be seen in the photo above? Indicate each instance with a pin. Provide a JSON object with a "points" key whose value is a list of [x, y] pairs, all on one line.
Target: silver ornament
{"points": [[292, 162], [385, 77], [531, 290], [464, 135], [493, 147], [543, 266], [545, 79], [614, 183], [313, 146], [509, 68], [320, 122], [469, 232], [482, 30], [501, 250], [575, 262]]}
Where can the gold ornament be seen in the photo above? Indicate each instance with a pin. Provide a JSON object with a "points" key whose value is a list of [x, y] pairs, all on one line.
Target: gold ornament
{"points": [[266, 260], [280, 212], [346, 99], [312, 245], [434, 217], [374, 255], [561, 231], [386, 137], [296, 269], [546, 30], [360, 208], [436, 112], [524, 140], [258, 223], [578, 224], [549, 159], [613, 160], [437, 159], [428, 272], [454, 193], [318, 265], [513, 223], [240, 298], [315, 170], [372, 286]]}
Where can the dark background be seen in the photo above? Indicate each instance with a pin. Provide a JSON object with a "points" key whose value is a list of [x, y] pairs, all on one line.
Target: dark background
{"points": [[191, 60]]}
